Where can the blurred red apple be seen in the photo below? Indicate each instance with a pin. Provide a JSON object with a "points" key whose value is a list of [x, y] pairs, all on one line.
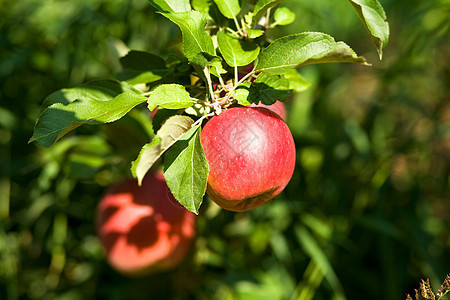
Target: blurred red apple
{"points": [[152, 113], [251, 156], [144, 229]]}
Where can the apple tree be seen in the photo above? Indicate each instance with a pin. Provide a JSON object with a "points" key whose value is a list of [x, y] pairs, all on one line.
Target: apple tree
{"points": [[226, 60]]}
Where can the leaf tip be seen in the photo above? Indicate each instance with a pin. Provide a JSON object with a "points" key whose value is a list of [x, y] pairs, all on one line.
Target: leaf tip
{"points": [[380, 54], [139, 180]]}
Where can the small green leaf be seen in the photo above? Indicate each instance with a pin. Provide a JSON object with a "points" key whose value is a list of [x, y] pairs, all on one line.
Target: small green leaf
{"points": [[59, 119], [254, 33], [217, 69], [236, 52], [261, 8], [269, 88], [170, 132], [192, 26], [186, 170], [284, 16], [171, 5], [302, 49], [170, 96], [142, 67], [374, 19], [228, 8], [242, 93], [204, 59]]}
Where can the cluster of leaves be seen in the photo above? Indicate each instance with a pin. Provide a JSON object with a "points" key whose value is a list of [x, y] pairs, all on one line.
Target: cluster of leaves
{"points": [[226, 59], [426, 293]]}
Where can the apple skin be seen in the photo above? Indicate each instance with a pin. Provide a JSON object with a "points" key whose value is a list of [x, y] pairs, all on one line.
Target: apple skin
{"points": [[278, 107], [251, 157], [144, 230]]}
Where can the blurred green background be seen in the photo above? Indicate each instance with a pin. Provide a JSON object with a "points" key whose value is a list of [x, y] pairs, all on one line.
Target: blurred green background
{"points": [[365, 216]]}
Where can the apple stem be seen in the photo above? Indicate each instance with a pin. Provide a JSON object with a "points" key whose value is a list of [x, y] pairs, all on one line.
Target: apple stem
{"points": [[199, 121], [208, 79], [222, 83], [217, 106], [204, 103], [244, 29], [237, 26], [236, 34], [230, 93], [267, 25]]}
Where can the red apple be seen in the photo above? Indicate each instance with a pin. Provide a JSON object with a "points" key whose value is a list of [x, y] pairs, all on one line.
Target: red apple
{"points": [[251, 157], [144, 229], [278, 107]]}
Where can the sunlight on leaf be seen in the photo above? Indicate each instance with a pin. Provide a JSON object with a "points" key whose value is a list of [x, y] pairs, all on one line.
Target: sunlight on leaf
{"points": [[186, 170], [374, 19], [302, 49], [169, 133]]}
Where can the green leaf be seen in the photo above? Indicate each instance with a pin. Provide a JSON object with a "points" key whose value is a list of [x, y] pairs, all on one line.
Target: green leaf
{"points": [[167, 135], [228, 8], [302, 49], [296, 81], [266, 88], [217, 69], [192, 26], [445, 296], [236, 52], [171, 5], [374, 19], [242, 93], [211, 12], [161, 116], [261, 8], [202, 6], [269, 88], [254, 33], [142, 67], [284, 16], [198, 110], [186, 170], [101, 90], [59, 119], [204, 59], [170, 96]]}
